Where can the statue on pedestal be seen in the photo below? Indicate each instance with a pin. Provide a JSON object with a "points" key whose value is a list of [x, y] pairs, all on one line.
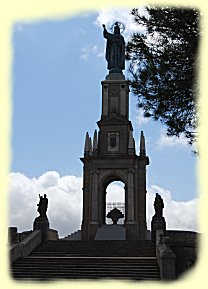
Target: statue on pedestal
{"points": [[158, 221], [115, 49], [42, 205], [41, 222], [158, 205]]}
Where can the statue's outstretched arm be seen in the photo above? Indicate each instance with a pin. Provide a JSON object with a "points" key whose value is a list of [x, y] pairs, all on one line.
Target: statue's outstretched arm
{"points": [[104, 29], [105, 32]]}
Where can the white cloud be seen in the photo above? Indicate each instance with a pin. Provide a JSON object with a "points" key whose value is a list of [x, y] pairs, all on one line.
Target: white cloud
{"points": [[79, 30], [108, 17], [111, 15], [115, 192], [65, 203], [167, 141], [140, 119], [48, 179], [92, 50]]}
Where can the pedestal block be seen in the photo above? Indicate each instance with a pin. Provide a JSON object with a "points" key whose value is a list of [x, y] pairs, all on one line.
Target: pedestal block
{"points": [[42, 223], [158, 223], [112, 157]]}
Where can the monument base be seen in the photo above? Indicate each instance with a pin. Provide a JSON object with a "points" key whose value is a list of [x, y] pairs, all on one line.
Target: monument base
{"points": [[135, 231], [89, 230], [42, 224], [158, 223], [115, 76], [111, 232]]}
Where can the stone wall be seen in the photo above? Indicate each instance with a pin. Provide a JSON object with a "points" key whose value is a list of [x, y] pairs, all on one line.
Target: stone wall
{"points": [[184, 245], [15, 237], [53, 234], [25, 247], [182, 235]]}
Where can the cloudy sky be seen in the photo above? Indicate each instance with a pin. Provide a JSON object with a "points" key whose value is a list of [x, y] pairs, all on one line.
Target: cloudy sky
{"points": [[58, 66]]}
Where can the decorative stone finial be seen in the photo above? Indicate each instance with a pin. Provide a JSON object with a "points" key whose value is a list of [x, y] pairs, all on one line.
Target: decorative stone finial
{"points": [[87, 144], [142, 145], [115, 214], [95, 141], [90, 141]]}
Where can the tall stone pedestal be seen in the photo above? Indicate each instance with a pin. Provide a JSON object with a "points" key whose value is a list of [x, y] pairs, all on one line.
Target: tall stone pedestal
{"points": [[112, 157], [42, 223], [158, 223], [13, 235]]}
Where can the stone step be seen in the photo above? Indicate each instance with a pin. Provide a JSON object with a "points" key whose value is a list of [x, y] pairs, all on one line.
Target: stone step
{"points": [[89, 254], [34, 262], [64, 259], [83, 258], [64, 268], [80, 272], [97, 248], [79, 268], [100, 241], [73, 236], [44, 277]]}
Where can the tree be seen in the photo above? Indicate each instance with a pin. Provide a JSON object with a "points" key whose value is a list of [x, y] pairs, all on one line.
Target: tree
{"points": [[163, 67]]}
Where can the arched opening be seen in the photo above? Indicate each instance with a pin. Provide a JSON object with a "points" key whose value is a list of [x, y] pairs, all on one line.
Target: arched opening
{"points": [[115, 198]]}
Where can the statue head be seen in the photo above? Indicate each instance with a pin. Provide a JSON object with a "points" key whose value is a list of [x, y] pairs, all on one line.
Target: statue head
{"points": [[116, 28]]}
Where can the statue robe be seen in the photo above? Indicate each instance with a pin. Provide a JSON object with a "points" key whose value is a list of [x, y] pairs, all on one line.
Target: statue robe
{"points": [[115, 50]]}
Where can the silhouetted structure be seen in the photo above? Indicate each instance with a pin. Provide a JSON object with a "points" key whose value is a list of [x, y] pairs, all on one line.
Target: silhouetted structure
{"points": [[41, 223], [158, 221], [115, 215], [111, 156], [158, 205], [115, 49], [42, 205]]}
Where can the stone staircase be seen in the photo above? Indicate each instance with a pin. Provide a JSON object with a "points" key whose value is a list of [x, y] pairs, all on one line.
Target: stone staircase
{"points": [[64, 259], [73, 236]]}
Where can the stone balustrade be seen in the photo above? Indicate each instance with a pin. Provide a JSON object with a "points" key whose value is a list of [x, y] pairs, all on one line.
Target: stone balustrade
{"points": [[24, 248], [165, 257]]}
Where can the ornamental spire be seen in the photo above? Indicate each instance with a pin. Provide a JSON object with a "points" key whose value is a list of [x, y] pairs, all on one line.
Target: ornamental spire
{"points": [[87, 144], [95, 142], [142, 145], [90, 141]]}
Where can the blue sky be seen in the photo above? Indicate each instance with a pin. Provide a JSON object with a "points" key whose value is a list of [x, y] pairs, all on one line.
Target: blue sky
{"points": [[58, 67]]}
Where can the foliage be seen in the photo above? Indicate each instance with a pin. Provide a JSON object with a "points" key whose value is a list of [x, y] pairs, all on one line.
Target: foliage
{"points": [[163, 67]]}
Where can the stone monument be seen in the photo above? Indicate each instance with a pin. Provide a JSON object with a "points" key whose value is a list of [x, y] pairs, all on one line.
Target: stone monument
{"points": [[110, 155], [158, 221], [115, 214], [41, 222], [115, 49]]}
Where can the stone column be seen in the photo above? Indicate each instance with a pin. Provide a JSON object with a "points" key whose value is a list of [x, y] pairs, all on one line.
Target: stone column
{"points": [[141, 205], [105, 98], [124, 96], [94, 212], [94, 217], [12, 235], [130, 196]]}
